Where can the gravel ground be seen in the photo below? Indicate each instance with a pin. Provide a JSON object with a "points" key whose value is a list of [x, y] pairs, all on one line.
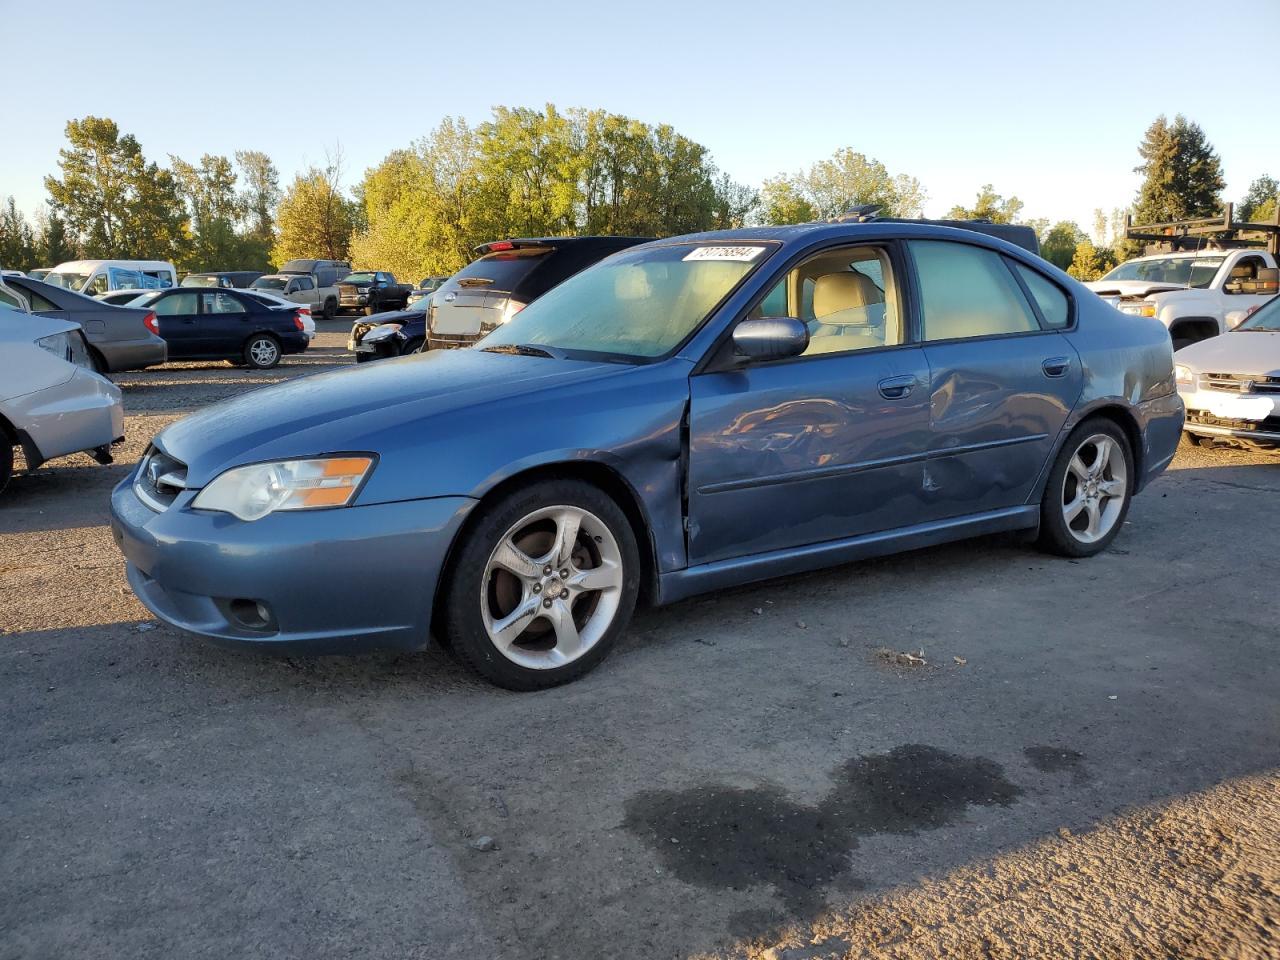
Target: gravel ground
{"points": [[1085, 763]]}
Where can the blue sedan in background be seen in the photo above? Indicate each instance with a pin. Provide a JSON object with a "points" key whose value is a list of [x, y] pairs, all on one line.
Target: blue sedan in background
{"points": [[686, 415], [217, 324]]}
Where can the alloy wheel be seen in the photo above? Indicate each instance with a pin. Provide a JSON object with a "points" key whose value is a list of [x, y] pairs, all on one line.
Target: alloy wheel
{"points": [[1094, 488], [264, 352], [551, 587]]}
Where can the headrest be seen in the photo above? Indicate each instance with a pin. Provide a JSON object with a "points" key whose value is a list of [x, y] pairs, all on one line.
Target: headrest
{"points": [[833, 292]]}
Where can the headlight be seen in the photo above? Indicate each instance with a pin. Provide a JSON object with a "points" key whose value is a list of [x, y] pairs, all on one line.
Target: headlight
{"points": [[252, 492], [383, 332], [1139, 309], [1184, 374], [68, 346]]}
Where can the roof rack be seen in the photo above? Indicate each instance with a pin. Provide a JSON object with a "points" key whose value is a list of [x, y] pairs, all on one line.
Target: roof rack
{"points": [[1208, 232]]}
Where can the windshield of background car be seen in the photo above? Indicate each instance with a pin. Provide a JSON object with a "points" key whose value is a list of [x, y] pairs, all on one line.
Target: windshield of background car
{"points": [[639, 304], [501, 271], [1188, 271], [200, 281], [366, 277], [68, 281], [270, 283], [1266, 317]]}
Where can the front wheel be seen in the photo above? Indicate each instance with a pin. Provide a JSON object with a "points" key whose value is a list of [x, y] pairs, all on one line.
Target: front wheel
{"points": [[411, 346], [330, 309], [1089, 491], [543, 586], [261, 351]]}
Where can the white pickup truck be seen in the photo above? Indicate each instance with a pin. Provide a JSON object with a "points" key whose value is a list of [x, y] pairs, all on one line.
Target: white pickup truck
{"points": [[1196, 294]]}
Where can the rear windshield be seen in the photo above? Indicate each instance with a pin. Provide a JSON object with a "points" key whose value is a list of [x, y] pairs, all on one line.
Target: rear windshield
{"points": [[503, 270]]}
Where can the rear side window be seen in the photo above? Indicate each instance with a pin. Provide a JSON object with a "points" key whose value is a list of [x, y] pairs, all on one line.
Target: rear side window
{"points": [[39, 303], [967, 291], [1049, 298], [222, 303]]}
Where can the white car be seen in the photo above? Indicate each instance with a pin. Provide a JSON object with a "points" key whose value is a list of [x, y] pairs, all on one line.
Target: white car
{"points": [[51, 401], [1230, 384]]}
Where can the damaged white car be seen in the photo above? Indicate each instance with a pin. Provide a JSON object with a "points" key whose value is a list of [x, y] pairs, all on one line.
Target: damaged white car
{"points": [[52, 403], [1231, 384]]}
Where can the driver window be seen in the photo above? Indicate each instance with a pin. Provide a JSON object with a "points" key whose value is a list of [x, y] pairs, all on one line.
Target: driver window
{"points": [[1244, 276], [846, 297]]}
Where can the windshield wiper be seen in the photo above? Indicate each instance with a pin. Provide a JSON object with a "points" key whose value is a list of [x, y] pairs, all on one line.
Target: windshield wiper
{"points": [[525, 350]]}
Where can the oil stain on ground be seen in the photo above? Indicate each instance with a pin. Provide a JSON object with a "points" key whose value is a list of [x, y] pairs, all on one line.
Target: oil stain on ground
{"points": [[733, 838], [1058, 760]]}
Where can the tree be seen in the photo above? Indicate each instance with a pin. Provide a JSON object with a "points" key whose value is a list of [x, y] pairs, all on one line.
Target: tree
{"points": [[18, 249], [1259, 202], [1090, 263], [1059, 243], [1182, 176], [989, 206], [214, 209], [258, 202], [831, 187], [53, 244], [114, 201], [315, 219]]}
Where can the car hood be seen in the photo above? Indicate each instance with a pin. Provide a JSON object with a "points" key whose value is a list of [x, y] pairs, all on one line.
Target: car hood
{"points": [[347, 409], [1131, 288], [1250, 352], [358, 284], [392, 316]]}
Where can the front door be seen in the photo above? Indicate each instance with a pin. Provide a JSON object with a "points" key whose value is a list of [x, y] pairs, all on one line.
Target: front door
{"points": [[823, 446], [1003, 380]]}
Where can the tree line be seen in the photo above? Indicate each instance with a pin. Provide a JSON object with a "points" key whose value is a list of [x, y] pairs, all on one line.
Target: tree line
{"points": [[525, 172]]}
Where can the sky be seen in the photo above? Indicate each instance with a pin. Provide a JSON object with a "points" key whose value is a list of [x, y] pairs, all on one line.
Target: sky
{"points": [[1047, 101]]}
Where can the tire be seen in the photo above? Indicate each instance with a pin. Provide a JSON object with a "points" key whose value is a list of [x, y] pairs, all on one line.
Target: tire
{"points": [[411, 346], [557, 628], [6, 458], [370, 310], [261, 351], [1098, 495], [330, 308], [1182, 342], [99, 362]]}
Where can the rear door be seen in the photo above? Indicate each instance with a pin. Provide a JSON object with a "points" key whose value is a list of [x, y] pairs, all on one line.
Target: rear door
{"points": [[178, 315], [224, 324], [1002, 380]]}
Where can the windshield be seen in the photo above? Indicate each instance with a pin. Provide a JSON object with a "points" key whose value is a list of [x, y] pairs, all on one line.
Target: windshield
{"points": [[639, 304], [1185, 271], [365, 277], [194, 281], [270, 283], [68, 281], [1266, 317]]}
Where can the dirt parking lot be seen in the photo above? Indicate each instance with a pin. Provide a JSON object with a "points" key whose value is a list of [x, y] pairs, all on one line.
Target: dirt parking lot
{"points": [[1077, 759]]}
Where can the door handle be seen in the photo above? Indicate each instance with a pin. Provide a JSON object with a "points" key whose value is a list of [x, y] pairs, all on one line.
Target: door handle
{"points": [[1056, 366], [895, 388]]}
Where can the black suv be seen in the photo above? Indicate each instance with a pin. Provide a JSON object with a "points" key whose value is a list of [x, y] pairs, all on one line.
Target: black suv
{"points": [[508, 275]]}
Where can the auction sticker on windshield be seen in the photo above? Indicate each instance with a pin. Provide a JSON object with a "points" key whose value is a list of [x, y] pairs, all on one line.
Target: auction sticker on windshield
{"points": [[721, 252]]}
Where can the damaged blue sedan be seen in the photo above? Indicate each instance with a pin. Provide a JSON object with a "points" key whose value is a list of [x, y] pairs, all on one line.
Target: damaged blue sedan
{"points": [[686, 415]]}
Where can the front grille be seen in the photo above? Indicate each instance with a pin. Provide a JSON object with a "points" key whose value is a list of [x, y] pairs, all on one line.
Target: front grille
{"points": [[1269, 425], [1242, 382], [160, 479]]}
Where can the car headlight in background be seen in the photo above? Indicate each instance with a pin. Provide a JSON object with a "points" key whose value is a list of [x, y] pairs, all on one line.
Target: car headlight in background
{"points": [[1184, 374], [252, 492], [384, 332], [1138, 309], [69, 346]]}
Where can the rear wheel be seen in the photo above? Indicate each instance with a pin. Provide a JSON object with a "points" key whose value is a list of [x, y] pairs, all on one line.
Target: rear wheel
{"points": [[1089, 490], [543, 586], [330, 308], [262, 351]]}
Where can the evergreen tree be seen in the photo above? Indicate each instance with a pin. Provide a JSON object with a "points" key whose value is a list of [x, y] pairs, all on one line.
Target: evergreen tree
{"points": [[1259, 202], [1182, 175]]}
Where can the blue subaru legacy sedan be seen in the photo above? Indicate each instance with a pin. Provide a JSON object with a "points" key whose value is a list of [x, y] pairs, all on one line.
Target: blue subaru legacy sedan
{"points": [[686, 415]]}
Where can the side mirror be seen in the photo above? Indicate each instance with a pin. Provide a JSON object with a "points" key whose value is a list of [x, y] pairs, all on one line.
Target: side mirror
{"points": [[770, 338]]}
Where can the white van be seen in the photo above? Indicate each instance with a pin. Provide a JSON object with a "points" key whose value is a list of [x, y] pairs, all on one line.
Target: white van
{"points": [[92, 277]]}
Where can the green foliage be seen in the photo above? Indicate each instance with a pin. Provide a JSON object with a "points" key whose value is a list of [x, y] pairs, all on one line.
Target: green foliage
{"points": [[532, 172], [988, 206], [53, 244], [315, 219], [1259, 202], [214, 210], [1058, 243], [830, 187], [1182, 176], [18, 244], [1090, 262], [114, 201], [258, 202]]}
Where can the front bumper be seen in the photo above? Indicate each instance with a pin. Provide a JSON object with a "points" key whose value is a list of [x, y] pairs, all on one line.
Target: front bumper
{"points": [[81, 413], [451, 341], [349, 301], [1231, 414], [308, 569]]}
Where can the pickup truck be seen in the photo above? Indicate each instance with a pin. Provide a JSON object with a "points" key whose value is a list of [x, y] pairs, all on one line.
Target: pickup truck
{"points": [[301, 288], [372, 291], [1218, 273]]}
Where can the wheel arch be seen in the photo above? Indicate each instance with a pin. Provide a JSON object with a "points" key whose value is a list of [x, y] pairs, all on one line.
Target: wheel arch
{"points": [[1123, 417], [598, 474], [1198, 328]]}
